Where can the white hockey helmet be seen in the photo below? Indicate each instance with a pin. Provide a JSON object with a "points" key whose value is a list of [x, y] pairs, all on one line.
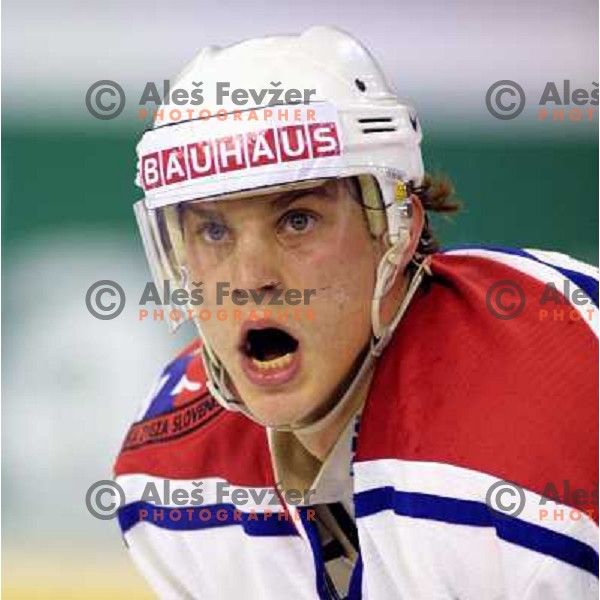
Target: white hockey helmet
{"points": [[232, 145]]}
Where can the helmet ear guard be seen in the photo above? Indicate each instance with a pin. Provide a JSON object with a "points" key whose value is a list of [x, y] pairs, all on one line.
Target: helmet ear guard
{"points": [[392, 219], [400, 214]]}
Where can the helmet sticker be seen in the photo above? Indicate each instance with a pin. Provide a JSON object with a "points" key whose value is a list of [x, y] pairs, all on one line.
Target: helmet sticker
{"points": [[276, 144]]}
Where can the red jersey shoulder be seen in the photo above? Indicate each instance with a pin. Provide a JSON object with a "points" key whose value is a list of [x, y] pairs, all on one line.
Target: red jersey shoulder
{"points": [[183, 432], [513, 398]]}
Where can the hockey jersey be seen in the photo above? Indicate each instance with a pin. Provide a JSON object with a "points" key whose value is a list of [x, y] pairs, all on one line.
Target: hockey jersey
{"points": [[486, 398]]}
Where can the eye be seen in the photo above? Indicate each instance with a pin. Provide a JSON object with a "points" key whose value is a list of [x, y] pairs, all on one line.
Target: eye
{"points": [[213, 231], [298, 221]]}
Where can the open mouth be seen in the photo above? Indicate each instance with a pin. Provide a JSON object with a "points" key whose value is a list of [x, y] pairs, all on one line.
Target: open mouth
{"points": [[270, 348], [270, 354]]}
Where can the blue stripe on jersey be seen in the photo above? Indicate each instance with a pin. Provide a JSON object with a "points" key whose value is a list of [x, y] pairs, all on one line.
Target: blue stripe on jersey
{"points": [[588, 284], [478, 514], [310, 527], [355, 589], [206, 517], [355, 586]]}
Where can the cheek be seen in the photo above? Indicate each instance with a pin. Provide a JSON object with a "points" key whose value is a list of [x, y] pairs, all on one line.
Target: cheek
{"points": [[344, 284], [345, 271], [194, 266], [222, 327]]}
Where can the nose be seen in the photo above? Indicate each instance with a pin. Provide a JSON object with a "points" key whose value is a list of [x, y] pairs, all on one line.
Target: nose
{"points": [[256, 264]]}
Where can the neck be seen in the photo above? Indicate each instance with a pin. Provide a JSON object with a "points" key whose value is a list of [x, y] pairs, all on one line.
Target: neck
{"points": [[319, 441]]}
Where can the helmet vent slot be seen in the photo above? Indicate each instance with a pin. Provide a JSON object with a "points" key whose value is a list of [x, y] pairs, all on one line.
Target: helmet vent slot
{"points": [[377, 124], [375, 120], [378, 129]]}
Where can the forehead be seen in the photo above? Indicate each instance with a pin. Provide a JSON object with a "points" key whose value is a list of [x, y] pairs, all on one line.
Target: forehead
{"points": [[267, 201]]}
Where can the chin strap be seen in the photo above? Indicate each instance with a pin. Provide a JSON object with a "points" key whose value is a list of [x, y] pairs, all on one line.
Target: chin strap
{"points": [[380, 341], [217, 375]]}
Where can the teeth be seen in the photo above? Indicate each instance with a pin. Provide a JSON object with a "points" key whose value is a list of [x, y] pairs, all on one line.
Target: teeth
{"points": [[276, 363]]}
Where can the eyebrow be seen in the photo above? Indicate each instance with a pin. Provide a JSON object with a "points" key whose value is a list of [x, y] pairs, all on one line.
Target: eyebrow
{"points": [[280, 202]]}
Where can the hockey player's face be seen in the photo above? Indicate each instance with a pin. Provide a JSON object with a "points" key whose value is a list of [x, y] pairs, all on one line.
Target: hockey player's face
{"points": [[285, 358]]}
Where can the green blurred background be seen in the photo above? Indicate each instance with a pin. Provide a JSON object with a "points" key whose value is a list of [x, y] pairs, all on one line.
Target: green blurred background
{"points": [[523, 189]]}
